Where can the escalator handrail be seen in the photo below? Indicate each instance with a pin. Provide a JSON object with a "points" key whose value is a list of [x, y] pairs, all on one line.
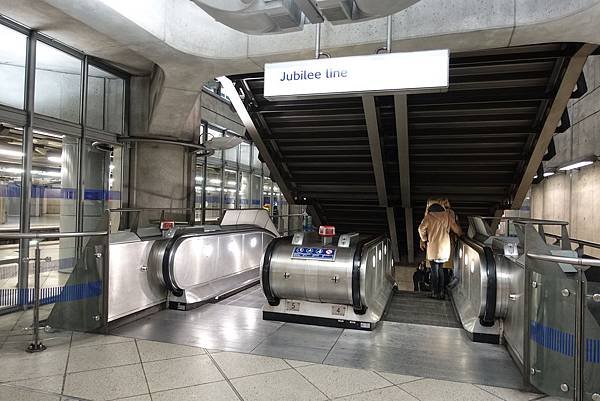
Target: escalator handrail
{"points": [[486, 254], [361, 245], [169, 254]]}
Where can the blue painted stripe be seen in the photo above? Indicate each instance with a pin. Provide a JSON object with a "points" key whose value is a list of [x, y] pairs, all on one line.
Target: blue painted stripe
{"points": [[564, 342], [50, 295]]}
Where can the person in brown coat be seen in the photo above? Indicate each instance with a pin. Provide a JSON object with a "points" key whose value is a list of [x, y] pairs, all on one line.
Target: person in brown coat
{"points": [[434, 231]]}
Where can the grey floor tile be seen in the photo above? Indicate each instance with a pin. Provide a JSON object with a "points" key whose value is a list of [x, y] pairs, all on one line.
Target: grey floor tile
{"points": [[336, 382], [285, 385], [10, 393], [155, 351], [383, 394], [300, 335], [440, 390], [102, 356], [53, 340], [181, 372], [51, 384], [145, 397], [276, 350], [297, 364], [219, 391], [21, 365], [396, 378], [88, 339], [510, 394], [238, 365], [107, 384]]}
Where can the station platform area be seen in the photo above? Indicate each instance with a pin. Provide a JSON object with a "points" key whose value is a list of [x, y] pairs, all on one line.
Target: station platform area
{"points": [[226, 352]]}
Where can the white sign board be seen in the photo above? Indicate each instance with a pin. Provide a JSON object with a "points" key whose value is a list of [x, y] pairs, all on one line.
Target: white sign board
{"points": [[413, 72]]}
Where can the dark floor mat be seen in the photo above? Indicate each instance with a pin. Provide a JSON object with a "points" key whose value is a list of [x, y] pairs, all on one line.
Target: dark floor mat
{"points": [[419, 308]]}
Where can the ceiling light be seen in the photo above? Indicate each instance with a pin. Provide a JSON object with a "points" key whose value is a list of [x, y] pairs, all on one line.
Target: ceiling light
{"points": [[55, 159], [578, 164], [548, 173], [13, 153]]}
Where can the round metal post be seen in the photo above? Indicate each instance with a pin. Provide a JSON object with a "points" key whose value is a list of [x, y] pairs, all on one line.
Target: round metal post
{"points": [[579, 335], [388, 46], [36, 345], [318, 41]]}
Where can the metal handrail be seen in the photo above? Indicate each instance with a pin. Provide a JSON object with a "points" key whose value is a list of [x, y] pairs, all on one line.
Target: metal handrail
{"points": [[577, 241], [527, 220], [566, 259]]}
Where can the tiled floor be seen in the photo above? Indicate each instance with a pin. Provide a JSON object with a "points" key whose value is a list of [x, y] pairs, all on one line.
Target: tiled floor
{"points": [[80, 366]]}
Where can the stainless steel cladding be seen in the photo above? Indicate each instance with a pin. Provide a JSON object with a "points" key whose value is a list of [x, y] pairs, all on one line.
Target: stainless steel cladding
{"points": [[348, 282], [312, 280], [197, 265]]}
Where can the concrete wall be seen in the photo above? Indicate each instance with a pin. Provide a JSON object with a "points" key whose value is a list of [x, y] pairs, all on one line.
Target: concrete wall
{"points": [[575, 196]]}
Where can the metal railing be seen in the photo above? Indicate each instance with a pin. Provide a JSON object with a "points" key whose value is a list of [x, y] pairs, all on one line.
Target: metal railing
{"points": [[581, 264], [36, 345], [581, 244]]}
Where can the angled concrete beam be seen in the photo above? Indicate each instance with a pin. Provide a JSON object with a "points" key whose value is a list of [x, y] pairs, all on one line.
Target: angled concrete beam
{"points": [[401, 114], [391, 218], [410, 238], [239, 107], [552, 121], [377, 160], [375, 145]]}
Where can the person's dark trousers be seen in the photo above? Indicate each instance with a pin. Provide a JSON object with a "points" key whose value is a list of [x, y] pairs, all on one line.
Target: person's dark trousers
{"points": [[437, 279]]}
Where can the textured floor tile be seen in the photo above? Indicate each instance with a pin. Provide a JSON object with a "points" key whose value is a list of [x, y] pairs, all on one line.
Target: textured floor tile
{"points": [[398, 379], [219, 391], [102, 356], [288, 351], [285, 385], [237, 365], [107, 384], [156, 351], [181, 372], [338, 382], [87, 339], [440, 390], [510, 394], [297, 364], [9, 393], [21, 365], [136, 398], [51, 384], [382, 394]]}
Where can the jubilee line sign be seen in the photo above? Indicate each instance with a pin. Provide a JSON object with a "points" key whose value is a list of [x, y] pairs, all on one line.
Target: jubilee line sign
{"points": [[411, 72]]}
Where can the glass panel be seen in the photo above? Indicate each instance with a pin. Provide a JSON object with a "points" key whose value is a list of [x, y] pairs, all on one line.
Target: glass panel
{"points": [[230, 192], [552, 325], [198, 191], [215, 133], [96, 175], [72, 299], [231, 154], [12, 67], [267, 194], [54, 182], [245, 191], [255, 161], [245, 153], [57, 83], [11, 171], [115, 185], [591, 333], [256, 191], [105, 100], [213, 194]]}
